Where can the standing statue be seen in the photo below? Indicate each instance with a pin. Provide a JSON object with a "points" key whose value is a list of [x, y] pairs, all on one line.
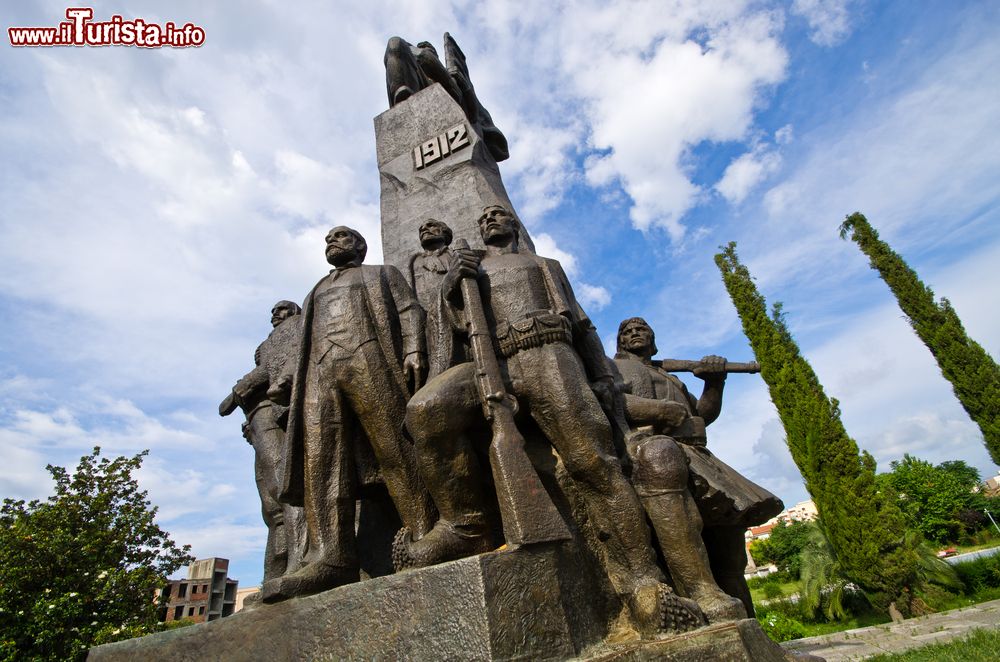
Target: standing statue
{"points": [[554, 366], [727, 502], [426, 271], [362, 354], [409, 69], [264, 430]]}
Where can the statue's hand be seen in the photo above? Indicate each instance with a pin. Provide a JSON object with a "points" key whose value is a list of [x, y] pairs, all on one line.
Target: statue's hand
{"points": [[241, 392], [464, 264], [711, 368], [670, 415], [280, 392], [606, 392], [415, 370]]}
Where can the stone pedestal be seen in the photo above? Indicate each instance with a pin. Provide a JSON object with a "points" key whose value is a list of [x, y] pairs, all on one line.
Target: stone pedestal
{"points": [[524, 604], [433, 164], [528, 604]]}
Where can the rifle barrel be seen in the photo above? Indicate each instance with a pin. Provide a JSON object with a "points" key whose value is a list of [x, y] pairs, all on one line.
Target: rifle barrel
{"points": [[681, 365]]}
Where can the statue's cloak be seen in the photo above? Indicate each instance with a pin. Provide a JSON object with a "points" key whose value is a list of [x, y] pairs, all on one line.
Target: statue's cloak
{"points": [[398, 321]]}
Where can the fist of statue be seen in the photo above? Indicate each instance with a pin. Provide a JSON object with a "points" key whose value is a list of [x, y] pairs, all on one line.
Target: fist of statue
{"points": [[415, 369], [671, 415], [711, 367], [464, 264], [280, 391], [606, 392]]}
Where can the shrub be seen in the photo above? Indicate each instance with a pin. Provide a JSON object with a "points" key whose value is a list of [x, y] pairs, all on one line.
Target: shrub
{"points": [[979, 574], [779, 626]]}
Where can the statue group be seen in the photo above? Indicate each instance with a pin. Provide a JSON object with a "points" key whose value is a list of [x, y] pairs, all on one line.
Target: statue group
{"points": [[462, 402]]}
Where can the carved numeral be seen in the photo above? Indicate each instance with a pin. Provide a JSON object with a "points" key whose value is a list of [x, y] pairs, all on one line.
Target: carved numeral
{"points": [[441, 146], [431, 151], [458, 137]]}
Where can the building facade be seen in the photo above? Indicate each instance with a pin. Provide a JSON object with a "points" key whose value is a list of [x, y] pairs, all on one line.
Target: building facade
{"points": [[206, 595]]}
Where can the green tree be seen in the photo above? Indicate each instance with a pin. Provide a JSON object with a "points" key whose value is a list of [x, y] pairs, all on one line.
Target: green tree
{"points": [[784, 546], [934, 498], [83, 566], [974, 375], [864, 525]]}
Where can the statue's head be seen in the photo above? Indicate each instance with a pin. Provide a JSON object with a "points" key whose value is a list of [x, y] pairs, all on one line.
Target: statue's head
{"points": [[498, 226], [344, 245], [635, 336], [429, 46], [283, 310], [434, 234]]}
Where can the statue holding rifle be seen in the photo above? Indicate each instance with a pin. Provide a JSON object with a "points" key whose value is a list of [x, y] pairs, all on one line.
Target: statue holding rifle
{"points": [[658, 403], [552, 364]]}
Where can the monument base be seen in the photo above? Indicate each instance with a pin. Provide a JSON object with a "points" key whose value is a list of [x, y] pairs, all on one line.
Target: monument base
{"points": [[537, 604]]}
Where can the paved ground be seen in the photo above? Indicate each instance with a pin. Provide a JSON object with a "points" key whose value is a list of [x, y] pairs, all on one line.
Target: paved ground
{"points": [[894, 638], [972, 556]]}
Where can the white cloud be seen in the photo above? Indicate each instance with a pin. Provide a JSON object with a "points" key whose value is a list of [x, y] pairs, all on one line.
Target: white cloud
{"points": [[679, 93], [746, 172], [829, 20], [784, 135], [593, 297], [546, 246]]}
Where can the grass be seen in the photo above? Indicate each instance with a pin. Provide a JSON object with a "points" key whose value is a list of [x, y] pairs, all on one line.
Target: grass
{"points": [[787, 588], [859, 621], [959, 601], [977, 645]]}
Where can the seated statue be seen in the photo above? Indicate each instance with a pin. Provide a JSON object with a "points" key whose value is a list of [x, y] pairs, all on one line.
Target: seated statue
{"points": [[658, 403], [409, 69], [554, 366]]}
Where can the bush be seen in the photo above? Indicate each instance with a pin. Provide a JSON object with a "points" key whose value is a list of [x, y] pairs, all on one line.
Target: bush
{"points": [[779, 626], [772, 590], [979, 574]]}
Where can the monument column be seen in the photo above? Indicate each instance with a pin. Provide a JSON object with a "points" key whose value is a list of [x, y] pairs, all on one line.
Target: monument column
{"points": [[433, 164]]}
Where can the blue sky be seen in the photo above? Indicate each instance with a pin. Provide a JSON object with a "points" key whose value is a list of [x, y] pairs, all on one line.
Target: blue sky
{"points": [[157, 203]]}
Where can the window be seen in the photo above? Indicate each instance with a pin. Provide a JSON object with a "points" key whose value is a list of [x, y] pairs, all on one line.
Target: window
{"points": [[178, 612], [182, 590], [201, 610], [190, 611]]}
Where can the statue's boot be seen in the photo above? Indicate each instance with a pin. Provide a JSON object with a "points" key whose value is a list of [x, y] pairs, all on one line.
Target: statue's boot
{"points": [[444, 542], [657, 609], [677, 524], [316, 577]]}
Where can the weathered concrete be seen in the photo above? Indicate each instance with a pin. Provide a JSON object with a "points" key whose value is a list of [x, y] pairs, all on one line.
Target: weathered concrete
{"points": [[498, 606], [727, 642], [452, 188], [861, 643], [539, 604]]}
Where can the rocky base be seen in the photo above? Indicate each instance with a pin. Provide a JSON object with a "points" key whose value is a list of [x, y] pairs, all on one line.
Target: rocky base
{"points": [[736, 641], [537, 604]]}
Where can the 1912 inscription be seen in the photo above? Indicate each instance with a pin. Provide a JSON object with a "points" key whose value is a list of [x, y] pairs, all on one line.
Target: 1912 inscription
{"points": [[438, 147]]}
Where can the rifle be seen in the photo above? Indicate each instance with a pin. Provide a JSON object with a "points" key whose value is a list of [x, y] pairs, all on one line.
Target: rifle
{"points": [[228, 405], [527, 511], [680, 365]]}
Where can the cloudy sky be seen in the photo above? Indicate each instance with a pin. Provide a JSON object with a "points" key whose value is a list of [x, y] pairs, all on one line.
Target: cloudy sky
{"points": [[156, 203]]}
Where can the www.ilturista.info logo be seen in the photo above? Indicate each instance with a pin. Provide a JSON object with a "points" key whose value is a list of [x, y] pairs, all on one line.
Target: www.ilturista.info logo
{"points": [[80, 30]]}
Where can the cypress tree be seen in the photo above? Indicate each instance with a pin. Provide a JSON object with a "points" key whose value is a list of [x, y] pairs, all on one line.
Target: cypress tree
{"points": [[974, 375], [863, 523]]}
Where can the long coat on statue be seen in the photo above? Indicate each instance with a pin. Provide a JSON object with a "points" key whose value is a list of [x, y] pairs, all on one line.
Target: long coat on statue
{"points": [[398, 322]]}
